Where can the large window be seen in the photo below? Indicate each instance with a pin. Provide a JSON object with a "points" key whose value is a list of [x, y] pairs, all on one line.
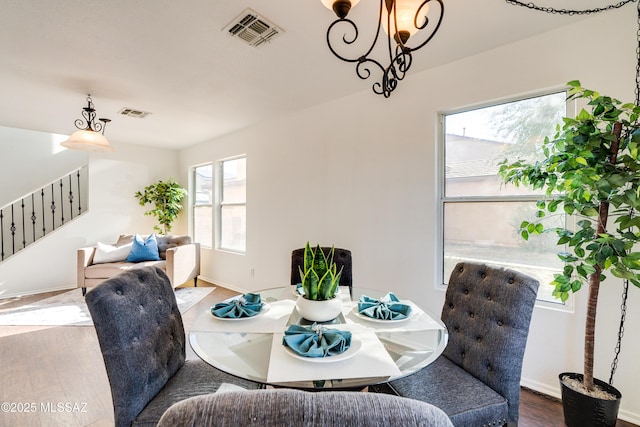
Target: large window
{"points": [[202, 204], [481, 217], [232, 215]]}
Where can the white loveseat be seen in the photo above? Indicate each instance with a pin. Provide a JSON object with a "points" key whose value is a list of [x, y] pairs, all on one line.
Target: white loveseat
{"points": [[180, 260]]}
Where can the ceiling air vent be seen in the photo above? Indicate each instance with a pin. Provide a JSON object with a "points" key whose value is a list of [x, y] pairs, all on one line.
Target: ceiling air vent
{"points": [[253, 29], [130, 112]]}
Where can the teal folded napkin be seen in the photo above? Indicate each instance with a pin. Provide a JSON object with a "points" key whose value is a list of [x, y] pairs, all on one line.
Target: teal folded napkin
{"points": [[247, 305], [386, 308], [316, 340]]}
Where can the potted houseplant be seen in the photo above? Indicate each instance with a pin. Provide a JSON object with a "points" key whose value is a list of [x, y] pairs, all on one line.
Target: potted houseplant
{"points": [[166, 197], [590, 169], [320, 279]]}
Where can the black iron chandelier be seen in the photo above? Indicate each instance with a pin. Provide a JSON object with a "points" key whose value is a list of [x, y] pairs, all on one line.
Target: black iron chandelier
{"points": [[403, 21], [90, 137]]}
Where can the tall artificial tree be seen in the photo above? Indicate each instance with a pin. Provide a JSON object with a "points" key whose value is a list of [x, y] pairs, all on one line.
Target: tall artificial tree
{"points": [[591, 170]]}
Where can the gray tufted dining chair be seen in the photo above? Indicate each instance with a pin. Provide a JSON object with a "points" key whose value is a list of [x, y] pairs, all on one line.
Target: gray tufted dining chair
{"points": [[476, 381], [286, 408], [142, 339]]}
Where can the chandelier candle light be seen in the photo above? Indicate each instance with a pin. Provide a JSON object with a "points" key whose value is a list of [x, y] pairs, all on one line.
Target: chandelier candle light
{"points": [[90, 137], [401, 20]]}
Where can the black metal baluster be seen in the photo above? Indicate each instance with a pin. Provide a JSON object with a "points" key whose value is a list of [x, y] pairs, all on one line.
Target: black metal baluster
{"points": [[13, 232], [79, 194], [70, 196], [61, 203], [53, 209], [2, 234], [44, 228], [33, 215], [24, 237]]}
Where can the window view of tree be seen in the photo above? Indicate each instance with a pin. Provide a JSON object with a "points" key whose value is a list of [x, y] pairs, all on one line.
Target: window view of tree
{"points": [[481, 217]]}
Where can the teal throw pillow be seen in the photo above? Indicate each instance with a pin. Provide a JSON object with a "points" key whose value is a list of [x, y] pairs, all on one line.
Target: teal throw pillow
{"points": [[144, 250]]}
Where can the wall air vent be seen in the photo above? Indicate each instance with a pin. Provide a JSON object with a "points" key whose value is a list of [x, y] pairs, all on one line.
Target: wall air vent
{"points": [[130, 112], [253, 29]]}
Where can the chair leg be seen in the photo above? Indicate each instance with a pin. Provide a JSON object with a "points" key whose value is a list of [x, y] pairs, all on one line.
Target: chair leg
{"points": [[195, 282], [84, 291], [384, 388]]}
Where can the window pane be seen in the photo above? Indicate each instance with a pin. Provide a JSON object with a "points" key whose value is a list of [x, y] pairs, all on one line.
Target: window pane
{"points": [[203, 185], [487, 232], [202, 225], [476, 141], [234, 180], [233, 225]]}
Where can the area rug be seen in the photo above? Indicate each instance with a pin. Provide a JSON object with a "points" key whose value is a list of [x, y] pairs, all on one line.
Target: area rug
{"points": [[69, 308]]}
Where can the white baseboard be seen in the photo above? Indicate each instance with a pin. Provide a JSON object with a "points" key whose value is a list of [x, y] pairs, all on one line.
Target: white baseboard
{"points": [[224, 285], [624, 415], [541, 387]]}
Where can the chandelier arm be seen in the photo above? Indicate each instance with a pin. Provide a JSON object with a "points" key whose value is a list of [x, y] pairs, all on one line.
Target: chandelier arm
{"points": [[345, 40], [402, 61], [426, 22], [80, 124], [400, 57], [364, 72], [97, 127], [390, 36], [355, 37]]}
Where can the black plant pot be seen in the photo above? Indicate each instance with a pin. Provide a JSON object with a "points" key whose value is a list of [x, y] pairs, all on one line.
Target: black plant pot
{"points": [[581, 410]]}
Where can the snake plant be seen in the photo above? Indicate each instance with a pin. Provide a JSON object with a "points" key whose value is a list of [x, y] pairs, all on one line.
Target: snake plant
{"points": [[319, 274]]}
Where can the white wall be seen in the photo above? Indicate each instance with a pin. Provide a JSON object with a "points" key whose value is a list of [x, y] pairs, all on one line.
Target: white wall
{"points": [[36, 158], [50, 263], [360, 173]]}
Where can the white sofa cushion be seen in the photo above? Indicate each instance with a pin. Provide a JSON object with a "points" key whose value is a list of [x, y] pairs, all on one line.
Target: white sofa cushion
{"points": [[111, 253]]}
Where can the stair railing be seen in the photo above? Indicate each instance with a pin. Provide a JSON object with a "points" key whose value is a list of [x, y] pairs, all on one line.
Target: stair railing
{"points": [[35, 215]]}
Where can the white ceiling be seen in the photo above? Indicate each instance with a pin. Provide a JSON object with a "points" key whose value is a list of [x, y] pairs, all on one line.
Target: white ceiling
{"points": [[171, 58]]}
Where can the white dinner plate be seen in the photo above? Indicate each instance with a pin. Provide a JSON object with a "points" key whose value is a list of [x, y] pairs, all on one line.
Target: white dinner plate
{"points": [[265, 308], [356, 344], [371, 319]]}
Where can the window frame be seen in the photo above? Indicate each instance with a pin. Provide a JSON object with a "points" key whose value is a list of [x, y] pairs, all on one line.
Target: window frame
{"points": [[195, 205], [442, 199], [220, 204]]}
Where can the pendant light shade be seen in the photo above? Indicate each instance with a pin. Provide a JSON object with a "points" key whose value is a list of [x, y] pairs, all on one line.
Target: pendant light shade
{"points": [[87, 140], [405, 14]]}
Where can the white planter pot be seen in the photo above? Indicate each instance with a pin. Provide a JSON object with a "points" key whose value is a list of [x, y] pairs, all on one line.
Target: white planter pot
{"points": [[319, 311]]}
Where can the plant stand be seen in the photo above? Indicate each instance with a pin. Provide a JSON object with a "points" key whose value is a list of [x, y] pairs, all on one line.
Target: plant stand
{"points": [[581, 410]]}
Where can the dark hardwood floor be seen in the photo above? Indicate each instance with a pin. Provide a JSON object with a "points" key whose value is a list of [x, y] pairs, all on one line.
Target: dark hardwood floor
{"points": [[55, 376]]}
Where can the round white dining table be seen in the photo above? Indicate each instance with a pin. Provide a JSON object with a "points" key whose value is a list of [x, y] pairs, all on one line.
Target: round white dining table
{"points": [[381, 350]]}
